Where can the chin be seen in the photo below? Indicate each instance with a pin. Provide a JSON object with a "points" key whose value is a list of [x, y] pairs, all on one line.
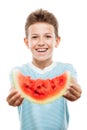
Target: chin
{"points": [[43, 58]]}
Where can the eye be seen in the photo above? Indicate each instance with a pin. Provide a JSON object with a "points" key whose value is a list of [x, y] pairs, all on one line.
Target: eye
{"points": [[48, 36], [34, 37]]}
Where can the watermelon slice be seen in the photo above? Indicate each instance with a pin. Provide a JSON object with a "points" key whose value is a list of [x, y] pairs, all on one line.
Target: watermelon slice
{"points": [[39, 90]]}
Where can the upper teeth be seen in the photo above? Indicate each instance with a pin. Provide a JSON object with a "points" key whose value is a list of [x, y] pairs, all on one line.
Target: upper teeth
{"points": [[41, 49]]}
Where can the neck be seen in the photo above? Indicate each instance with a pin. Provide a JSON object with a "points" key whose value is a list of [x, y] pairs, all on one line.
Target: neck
{"points": [[42, 64]]}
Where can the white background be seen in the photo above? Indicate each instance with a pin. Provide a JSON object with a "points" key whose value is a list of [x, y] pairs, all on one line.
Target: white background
{"points": [[72, 19]]}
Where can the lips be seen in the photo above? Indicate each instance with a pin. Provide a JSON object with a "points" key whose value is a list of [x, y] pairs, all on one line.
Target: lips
{"points": [[41, 49]]}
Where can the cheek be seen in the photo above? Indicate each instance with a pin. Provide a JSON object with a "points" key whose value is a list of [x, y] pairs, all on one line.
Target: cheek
{"points": [[31, 45], [52, 44]]}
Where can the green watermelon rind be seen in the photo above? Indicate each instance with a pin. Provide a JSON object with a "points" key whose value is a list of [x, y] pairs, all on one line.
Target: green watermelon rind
{"points": [[49, 99]]}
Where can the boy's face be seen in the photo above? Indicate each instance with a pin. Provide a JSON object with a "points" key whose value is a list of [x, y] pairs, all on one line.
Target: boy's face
{"points": [[41, 41]]}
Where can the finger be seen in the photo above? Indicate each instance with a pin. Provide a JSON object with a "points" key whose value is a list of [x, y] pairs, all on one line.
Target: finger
{"points": [[18, 102], [70, 96], [76, 87], [14, 98], [74, 92], [11, 95]]}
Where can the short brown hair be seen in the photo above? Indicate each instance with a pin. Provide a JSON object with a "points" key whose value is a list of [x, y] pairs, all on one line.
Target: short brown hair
{"points": [[41, 15]]}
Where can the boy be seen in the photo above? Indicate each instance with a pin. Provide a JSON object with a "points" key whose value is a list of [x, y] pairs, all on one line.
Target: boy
{"points": [[41, 38]]}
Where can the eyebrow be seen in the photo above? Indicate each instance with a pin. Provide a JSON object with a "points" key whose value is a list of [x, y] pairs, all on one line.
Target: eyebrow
{"points": [[45, 33]]}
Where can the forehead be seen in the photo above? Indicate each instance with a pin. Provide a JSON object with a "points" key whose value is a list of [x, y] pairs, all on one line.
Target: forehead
{"points": [[41, 28]]}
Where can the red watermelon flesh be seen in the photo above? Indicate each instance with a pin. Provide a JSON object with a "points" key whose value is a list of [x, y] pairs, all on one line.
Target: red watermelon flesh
{"points": [[39, 90]]}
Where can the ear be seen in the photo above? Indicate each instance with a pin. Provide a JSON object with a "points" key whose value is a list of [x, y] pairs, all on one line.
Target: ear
{"points": [[57, 41], [26, 42]]}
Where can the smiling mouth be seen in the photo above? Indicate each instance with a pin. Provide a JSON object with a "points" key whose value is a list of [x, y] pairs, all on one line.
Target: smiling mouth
{"points": [[41, 49]]}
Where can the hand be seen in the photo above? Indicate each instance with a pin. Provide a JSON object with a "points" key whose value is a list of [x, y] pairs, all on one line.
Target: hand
{"points": [[14, 98], [73, 91]]}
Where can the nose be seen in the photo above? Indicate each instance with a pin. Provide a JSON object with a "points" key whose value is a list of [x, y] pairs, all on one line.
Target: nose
{"points": [[41, 41]]}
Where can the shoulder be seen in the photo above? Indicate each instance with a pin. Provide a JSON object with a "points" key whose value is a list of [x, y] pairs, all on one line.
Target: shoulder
{"points": [[67, 67], [23, 68], [64, 65]]}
